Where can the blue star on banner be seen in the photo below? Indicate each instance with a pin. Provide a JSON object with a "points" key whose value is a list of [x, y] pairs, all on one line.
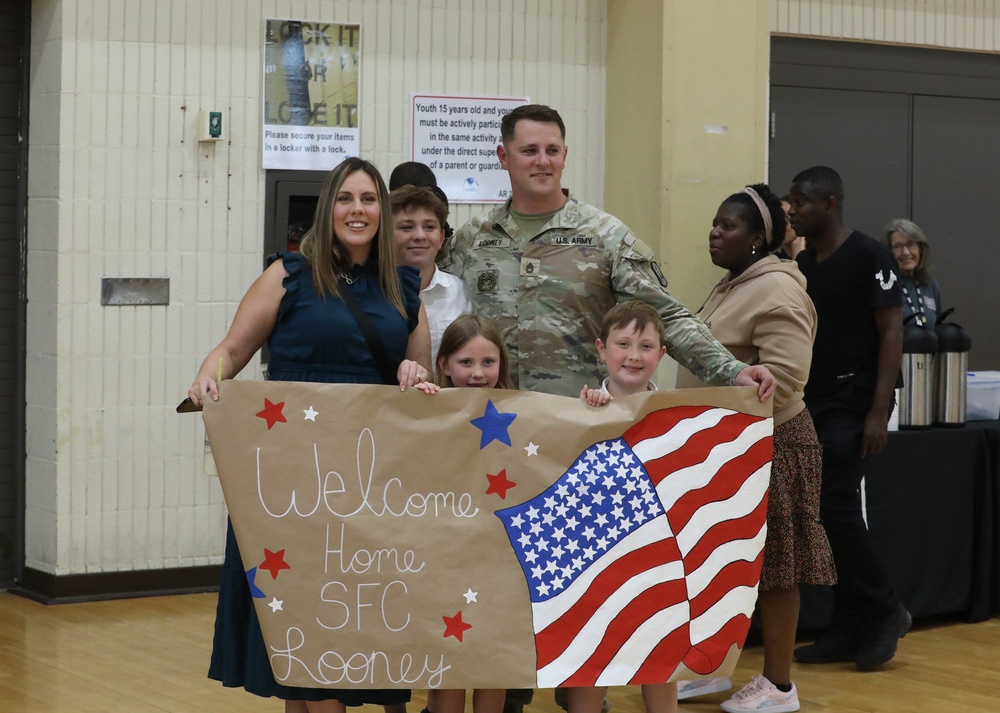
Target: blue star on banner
{"points": [[494, 425], [255, 591]]}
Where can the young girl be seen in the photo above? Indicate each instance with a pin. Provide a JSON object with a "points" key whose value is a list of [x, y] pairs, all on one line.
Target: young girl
{"points": [[472, 355]]}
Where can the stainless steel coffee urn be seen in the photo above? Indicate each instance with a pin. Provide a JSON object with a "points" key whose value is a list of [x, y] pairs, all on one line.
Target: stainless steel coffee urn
{"points": [[916, 400], [954, 344]]}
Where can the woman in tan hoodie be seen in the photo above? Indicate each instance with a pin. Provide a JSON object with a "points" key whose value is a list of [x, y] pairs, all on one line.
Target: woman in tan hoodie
{"points": [[760, 312]]}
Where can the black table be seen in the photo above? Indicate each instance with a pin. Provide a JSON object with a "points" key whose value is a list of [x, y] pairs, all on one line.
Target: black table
{"points": [[933, 503]]}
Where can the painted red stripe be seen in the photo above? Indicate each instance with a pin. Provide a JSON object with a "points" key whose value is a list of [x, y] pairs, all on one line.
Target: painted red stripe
{"points": [[552, 641], [663, 659], [698, 447], [708, 655], [726, 531], [736, 574], [724, 484], [624, 625], [659, 422]]}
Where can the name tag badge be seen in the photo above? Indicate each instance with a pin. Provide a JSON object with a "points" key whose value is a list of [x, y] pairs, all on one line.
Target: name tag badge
{"points": [[491, 243], [573, 240], [530, 267]]}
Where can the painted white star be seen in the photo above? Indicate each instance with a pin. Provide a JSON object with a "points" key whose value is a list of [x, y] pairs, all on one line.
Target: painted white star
{"points": [[310, 414], [470, 596], [532, 449], [275, 604]]}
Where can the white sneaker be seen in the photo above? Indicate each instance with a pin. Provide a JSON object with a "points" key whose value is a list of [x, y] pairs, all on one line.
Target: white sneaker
{"points": [[762, 695], [702, 687]]}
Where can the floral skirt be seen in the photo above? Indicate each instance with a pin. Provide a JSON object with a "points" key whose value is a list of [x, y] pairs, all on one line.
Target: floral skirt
{"points": [[796, 550]]}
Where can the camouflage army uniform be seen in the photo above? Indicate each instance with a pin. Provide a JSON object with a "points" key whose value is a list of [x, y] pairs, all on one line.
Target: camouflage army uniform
{"points": [[548, 295]]}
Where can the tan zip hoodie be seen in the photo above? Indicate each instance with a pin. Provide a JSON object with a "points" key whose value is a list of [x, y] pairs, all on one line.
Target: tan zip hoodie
{"points": [[764, 316]]}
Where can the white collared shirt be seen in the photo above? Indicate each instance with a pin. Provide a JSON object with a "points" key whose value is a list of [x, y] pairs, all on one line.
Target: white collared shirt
{"points": [[604, 387], [445, 298]]}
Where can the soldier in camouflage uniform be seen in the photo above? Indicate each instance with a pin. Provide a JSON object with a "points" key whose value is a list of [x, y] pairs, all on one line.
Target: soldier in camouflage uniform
{"points": [[546, 268]]}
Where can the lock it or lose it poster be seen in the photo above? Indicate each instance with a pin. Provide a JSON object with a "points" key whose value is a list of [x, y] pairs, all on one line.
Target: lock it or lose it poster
{"points": [[310, 107]]}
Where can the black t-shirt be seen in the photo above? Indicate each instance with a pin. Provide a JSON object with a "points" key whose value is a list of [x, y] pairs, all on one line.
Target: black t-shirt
{"points": [[846, 287]]}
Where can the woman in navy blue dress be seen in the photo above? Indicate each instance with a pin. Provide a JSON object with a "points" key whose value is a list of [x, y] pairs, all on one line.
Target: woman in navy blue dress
{"points": [[295, 307]]}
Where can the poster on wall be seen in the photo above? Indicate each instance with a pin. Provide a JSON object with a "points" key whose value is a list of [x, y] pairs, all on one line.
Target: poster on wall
{"points": [[457, 137], [310, 94], [491, 538]]}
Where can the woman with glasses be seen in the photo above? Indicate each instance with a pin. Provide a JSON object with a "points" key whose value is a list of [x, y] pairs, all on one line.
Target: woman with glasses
{"points": [[921, 293]]}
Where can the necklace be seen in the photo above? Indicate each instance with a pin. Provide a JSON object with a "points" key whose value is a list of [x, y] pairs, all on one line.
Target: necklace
{"points": [[919, 317], [351, 274]]}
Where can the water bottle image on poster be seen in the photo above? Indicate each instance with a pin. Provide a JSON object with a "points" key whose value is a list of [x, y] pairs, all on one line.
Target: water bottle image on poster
{"points": [[310, 108]]}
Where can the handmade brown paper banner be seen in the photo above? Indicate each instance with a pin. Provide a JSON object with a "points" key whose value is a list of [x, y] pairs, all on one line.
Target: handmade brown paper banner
{"points": [[490, 538]]}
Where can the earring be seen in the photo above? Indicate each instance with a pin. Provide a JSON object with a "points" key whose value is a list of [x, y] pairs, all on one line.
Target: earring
{"points": [[753, 249]]}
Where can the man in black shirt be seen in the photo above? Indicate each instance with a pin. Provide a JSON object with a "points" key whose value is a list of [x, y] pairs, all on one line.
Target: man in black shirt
{"points": [[853, 281]]}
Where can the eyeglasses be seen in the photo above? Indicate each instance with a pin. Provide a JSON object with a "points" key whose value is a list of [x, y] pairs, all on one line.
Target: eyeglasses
{"points": [[910, 246]]}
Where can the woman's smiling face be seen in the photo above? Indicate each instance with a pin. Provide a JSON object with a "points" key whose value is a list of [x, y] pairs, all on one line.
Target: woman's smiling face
{"points": [[356, 214]]}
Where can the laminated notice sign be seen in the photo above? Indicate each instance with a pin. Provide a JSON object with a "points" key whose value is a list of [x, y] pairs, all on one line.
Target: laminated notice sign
{"points": [[494, 539], [457, 137], [311, 108]]}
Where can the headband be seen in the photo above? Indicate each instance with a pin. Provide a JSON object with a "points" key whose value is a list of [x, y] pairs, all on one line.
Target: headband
{"points": [[765, 213]]}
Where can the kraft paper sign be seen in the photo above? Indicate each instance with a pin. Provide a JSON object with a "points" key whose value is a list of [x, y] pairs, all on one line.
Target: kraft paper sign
{"points": [[489, 538]]}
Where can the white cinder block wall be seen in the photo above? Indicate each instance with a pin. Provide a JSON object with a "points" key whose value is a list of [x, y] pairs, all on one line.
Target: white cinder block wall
{"points": [[120, 187]]}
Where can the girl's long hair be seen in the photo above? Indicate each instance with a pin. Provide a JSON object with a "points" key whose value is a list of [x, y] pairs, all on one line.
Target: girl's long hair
{"points": [[458, 334]]}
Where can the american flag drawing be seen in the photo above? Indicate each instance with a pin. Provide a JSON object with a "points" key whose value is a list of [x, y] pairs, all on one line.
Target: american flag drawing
{"points": [[646, 553]]}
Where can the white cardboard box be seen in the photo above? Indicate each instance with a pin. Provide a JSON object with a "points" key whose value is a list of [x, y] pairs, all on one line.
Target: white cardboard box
{"points": [[982, 396]]}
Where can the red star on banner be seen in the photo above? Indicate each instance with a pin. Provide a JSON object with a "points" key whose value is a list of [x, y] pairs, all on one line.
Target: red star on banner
{"points": [[499, 484], [274, 562], [272, 413], [454, 626]]}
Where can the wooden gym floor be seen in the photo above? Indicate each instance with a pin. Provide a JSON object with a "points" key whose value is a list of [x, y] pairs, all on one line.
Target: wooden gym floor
{"points": [[150, 655]]}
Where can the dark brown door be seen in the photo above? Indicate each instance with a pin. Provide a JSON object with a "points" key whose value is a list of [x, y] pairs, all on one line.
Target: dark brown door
{"points": [[13, 134]]}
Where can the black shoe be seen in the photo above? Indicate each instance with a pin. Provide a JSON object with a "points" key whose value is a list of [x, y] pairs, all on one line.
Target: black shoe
{"points": [[880, 647], [833, 646]]}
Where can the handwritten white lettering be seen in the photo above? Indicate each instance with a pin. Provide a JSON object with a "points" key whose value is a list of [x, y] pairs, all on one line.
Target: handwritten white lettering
{"points": [[361, 601], [388, 502], [358, 667], [363, 561]]}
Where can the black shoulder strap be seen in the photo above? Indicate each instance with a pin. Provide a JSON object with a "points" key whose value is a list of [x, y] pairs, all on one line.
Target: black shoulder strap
{"points": [[375, 345]]}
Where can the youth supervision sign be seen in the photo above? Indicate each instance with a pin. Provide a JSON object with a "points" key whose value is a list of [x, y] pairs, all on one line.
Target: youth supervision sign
{"points": [[457, 137]]}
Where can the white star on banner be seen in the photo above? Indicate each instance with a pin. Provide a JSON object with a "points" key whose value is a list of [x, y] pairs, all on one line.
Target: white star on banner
{"points": [[470, 596], [532, 449], [310, 414], [276, 604]]}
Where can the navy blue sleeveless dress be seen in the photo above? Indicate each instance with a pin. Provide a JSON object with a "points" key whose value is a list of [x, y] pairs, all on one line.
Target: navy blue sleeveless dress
{"points": [[313, 340]]}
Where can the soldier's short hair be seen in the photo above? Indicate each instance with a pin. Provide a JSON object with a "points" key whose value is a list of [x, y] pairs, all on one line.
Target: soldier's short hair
{"points": [[634, 312], [531, 112]]}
